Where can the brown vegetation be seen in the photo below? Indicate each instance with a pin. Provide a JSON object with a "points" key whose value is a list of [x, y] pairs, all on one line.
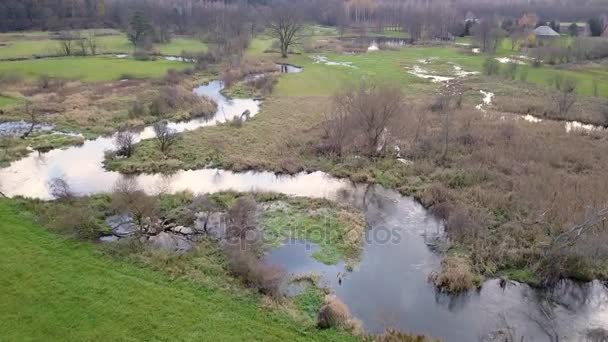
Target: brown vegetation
{"points": [[128, 198], [455, 275], [360, 118]]}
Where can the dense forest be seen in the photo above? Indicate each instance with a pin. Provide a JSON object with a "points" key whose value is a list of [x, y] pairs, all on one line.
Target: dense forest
{"points": [[65, 14]]}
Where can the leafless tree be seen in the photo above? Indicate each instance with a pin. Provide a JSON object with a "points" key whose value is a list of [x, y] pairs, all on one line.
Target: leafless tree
{"points": [[584, 240], [60, 189], [487, 33], [286, 25], [92, 42], [33, 115], [361, 116], [125, 143], [127, 197], [81, 43], [66, 43], [566, 96], [165, 135], [241, 226], [202, 208]]}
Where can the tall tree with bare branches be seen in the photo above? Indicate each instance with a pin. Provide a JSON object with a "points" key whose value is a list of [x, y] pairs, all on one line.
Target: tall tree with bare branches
{"points": [[286, 26]]}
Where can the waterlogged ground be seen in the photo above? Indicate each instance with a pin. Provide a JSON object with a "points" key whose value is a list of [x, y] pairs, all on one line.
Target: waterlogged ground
{"points": [[388, 286]]}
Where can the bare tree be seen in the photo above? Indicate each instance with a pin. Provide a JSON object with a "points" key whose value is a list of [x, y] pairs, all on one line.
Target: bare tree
{"points": [[81, 43], [488, 34], [127, 197], [60, 189], [125, 143], [361, 117], [31, 112], [566, 96], [586, 240], [286, 25], [66, 43], [202, 208], [240, 219], [165, 136], [92, 42]]}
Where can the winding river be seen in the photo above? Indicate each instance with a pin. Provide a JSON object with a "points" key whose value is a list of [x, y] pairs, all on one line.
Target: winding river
{"points": [[389, 287]]}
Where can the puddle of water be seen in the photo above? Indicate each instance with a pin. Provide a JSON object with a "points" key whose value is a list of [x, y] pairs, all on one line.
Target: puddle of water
{"points": [[505, 60], [423, 73], [573, 126], [289, 69], [532, 119], [487, 100], [463, 73], [419, 71], [324, 60], [18, 128], [570, 126]]}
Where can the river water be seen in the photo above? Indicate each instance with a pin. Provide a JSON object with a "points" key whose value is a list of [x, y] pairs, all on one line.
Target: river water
{"points": [[389, 287]]}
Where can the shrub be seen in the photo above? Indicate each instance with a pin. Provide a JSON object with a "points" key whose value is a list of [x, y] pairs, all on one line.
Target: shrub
{"points": [[60, 189], [333, 314], [491, 66], [138, 109], [141, 55], [240, 219], [455, 275], [77, 220], [391, 335], [510, 71], [173, 77], [10, 77], [267, 279], [125, 143]]}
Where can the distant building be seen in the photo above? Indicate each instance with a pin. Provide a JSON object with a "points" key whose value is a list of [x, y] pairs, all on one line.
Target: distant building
{"points": [[528, 21], [545, 32]]}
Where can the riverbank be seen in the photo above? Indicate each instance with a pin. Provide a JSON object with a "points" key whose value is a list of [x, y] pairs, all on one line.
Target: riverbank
{"points": [[50, 276]]}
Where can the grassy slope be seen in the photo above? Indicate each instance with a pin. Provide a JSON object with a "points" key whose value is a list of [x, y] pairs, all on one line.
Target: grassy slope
{"points": [[54, 289], [90, 68]]}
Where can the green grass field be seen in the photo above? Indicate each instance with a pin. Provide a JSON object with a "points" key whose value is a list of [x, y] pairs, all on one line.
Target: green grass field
{"points": [[56, 289], [7, 101], [90, 68], [39, 44], [387, 66]]}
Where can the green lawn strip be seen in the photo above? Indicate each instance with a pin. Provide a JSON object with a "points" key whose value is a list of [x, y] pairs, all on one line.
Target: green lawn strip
{"points": [[90, 68], [6, 101], [56, 289], [23, 47]]}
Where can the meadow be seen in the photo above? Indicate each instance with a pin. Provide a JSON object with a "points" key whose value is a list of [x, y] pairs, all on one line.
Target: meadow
{"points": [[89, 69], [41, 44]]}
